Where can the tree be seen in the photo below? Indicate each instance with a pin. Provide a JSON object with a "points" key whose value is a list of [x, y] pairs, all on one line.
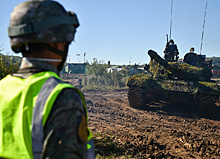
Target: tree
{"points": [[7, 65]]}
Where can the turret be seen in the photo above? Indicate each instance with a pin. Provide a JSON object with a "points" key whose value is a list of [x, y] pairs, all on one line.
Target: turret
{"points": [[182, 71]]}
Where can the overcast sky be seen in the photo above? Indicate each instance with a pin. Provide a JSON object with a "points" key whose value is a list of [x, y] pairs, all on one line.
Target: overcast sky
{"points": [[121, 31]]}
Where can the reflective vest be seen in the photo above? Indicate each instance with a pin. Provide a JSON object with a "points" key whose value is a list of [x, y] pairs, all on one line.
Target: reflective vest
{"points": [[25, 105]]}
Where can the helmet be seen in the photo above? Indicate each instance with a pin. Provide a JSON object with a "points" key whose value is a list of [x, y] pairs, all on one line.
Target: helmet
{"points": [[40, 21], [171, 41]]}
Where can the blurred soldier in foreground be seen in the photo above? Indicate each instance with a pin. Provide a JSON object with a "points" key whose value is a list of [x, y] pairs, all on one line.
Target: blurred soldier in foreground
{"points": [[171, 51], [42, 116]]}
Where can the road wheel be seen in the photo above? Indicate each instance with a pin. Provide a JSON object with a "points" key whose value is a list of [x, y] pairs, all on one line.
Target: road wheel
{"points": [[136, 97]]}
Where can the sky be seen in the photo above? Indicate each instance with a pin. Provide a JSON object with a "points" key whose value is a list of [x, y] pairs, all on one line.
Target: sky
{"points": [[122, 31]]}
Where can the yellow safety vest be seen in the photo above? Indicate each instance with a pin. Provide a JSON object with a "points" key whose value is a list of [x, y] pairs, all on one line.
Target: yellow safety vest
{"points": [[25, 105]]}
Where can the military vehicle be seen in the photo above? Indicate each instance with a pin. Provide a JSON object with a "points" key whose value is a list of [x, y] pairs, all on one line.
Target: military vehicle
{"points": [[184, 85]]}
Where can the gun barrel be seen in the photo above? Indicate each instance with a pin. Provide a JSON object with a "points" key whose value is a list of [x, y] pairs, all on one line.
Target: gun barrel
{"points": [[161, 61], [203, 74]]}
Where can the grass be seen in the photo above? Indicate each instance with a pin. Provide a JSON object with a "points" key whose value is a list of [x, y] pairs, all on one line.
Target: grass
{"points": [[103, 87], [107, 148]]}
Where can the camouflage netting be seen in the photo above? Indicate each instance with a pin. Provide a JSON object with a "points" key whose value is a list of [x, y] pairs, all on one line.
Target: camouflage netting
{"points": [[180, 71], [146, 80], [177, 76]]}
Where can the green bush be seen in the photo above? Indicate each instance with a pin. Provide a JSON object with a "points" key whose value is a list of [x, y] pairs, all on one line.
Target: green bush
{"points": [[99, 78]]}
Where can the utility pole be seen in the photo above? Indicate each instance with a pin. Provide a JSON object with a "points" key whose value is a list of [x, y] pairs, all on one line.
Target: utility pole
{"points": [[130, 60], [85, 80], [78, 56]]}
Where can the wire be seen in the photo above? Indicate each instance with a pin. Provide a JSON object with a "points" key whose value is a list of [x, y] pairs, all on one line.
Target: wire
{"points": [[203, 27]]}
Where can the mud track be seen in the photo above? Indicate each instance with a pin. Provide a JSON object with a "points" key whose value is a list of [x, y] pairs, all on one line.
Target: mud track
{"points": [[147, 133]]}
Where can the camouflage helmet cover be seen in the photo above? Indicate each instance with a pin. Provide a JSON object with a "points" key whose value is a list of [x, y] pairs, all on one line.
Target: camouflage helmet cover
{"points": [[41, 21]]}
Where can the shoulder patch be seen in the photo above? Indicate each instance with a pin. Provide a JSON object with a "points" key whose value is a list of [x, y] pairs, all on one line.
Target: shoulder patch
{"points": [[82, 130]]}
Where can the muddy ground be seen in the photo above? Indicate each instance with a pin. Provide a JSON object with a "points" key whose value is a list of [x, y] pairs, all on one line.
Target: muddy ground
{"points": [[147, 133]]}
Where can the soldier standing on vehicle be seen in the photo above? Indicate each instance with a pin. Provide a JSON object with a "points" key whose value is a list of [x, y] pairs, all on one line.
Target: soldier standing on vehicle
{"points": [[42, 116], [171, 51]]}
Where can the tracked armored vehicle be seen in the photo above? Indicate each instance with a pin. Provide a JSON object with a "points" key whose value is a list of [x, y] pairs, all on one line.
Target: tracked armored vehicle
{"points": [[175, 85]]}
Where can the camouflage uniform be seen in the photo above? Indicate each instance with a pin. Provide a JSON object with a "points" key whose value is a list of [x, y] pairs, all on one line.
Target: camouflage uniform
{"points": [[171, 51], [62, 139]]}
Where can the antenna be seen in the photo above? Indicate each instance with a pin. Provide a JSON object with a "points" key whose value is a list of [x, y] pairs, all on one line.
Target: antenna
{"points": [[203, 27], [171, 17]]}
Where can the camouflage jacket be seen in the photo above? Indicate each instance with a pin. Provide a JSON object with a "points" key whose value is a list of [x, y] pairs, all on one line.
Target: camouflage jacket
{"points": [[62, 138], [171, 49]]}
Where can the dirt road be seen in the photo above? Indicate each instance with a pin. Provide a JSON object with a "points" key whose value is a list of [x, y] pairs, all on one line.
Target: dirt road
{"points": [[149, 134]]}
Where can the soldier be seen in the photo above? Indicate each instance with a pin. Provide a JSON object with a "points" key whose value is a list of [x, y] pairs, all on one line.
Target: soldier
{"points": [[192, 49], [191, 57], [42, 116], [171, 51]]}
